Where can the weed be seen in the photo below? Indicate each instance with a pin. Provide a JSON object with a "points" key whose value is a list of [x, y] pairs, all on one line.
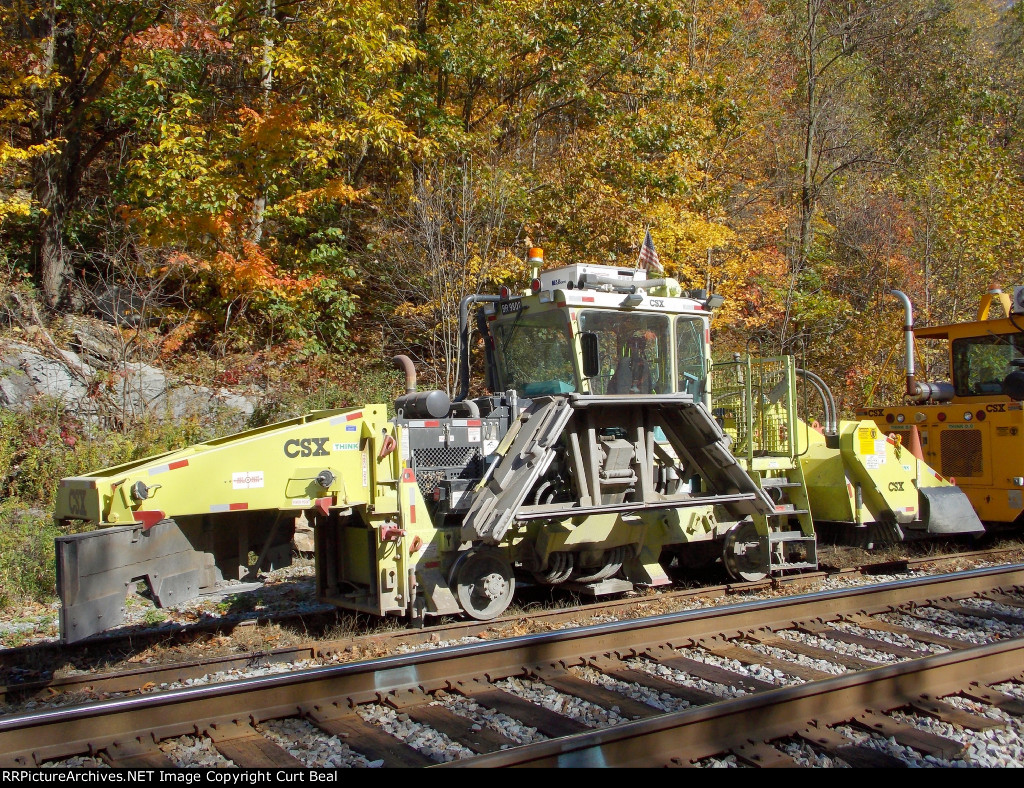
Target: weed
{"points": [[154, 616]]}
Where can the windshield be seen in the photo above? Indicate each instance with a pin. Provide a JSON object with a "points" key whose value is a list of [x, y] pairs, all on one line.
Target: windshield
{"points": [[633, 350], [980, 364], [535, 354], [690, 356]]}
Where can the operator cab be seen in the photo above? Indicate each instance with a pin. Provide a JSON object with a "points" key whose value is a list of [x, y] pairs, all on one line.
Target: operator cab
{"points": [[599, 329]]}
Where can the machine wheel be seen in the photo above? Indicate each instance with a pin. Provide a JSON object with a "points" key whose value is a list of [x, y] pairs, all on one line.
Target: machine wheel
{"points": [[483, 583], [745, 553]]}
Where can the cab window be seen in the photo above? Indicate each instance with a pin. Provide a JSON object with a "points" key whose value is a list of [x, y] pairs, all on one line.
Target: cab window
{"points": [[980, 364], [633, 350], [535, 354], [690, 356]]}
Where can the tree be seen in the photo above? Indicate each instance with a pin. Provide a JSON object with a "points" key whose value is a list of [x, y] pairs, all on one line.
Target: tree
{"points": [[69, 53]]}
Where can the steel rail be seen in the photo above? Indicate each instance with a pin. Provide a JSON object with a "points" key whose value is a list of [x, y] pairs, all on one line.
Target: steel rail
{"points": [[29, 658], [684, 737], [55, 733], [136, 677]]}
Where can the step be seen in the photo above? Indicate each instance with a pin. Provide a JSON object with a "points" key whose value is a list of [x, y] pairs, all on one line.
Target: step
{"points": [[777, 537], [795, 565], [787, 508]]}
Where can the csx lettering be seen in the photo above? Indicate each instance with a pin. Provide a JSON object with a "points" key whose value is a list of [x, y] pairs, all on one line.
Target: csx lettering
{"points": [[306, 447], [657, 302], [874, 412], [76, 502], [895, 486], [996, 407]]}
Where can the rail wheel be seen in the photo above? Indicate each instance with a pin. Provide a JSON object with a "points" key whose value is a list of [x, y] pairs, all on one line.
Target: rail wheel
{"points": [[745, 553], [483, 583]]}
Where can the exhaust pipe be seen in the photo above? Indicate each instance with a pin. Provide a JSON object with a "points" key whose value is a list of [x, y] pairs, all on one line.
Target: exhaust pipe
{"points": [[405, 364], [908, 336], [918, 391]]}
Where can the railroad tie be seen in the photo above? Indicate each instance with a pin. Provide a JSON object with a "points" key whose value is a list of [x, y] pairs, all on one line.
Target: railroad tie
{"points": [[835, 745], [715, 674], [137, 753], [692, 695], [563, 681], [867, 622], [242, 744], [933, 707], [814, 652], [908, 735], [459, 729], [727, 649], [531, 715], [826, 632], [978, 612], [1005, 599], [984, 694], [422, 708], [369, 740], [763, 755]]}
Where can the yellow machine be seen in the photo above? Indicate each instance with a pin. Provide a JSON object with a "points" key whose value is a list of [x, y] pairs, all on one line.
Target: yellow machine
{"points": [[603, 454], [970, 427]]}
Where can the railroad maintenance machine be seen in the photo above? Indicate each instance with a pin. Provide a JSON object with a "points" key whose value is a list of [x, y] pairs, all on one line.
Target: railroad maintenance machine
{"points": [[609, 448], [969, 427]]}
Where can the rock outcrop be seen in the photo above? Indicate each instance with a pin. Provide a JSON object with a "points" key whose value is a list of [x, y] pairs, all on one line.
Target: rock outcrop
{"points": [[102, 377]]}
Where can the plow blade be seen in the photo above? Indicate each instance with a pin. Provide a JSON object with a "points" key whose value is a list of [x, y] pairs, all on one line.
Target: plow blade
{"points": [[96, 569], [947, 510]]}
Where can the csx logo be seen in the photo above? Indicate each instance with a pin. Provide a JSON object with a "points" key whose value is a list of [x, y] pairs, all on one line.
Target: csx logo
{"points": [[76, 503], [895, 486], [874, 412], [996, 407], [306, 447]]}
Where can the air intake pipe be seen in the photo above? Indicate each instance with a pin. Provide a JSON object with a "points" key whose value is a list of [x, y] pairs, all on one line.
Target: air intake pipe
{"points": [[918, 391]]}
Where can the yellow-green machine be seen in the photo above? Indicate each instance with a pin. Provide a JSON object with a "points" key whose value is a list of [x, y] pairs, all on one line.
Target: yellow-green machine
{"points": [[861, 483], [601, 455]]}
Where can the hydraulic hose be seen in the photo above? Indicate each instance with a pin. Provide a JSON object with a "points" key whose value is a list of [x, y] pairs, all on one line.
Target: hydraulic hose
{"points": [[464, 340], [827, 400]]}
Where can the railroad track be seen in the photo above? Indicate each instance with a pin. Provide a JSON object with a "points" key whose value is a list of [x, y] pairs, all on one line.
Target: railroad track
{"points": [[661, 690], [98, 684]]}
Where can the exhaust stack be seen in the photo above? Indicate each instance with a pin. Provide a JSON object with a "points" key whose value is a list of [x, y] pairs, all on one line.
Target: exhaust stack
{"points": [[918, 391]]}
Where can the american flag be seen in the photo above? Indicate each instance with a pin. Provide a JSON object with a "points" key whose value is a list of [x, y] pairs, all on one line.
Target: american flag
{"points": [[649, 257]]}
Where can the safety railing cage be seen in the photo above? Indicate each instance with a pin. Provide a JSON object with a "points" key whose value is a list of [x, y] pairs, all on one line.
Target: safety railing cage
{"points": [[754, 401]]}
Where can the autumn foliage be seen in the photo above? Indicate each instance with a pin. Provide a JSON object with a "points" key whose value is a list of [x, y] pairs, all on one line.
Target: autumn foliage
{"points": [[334, 175]]}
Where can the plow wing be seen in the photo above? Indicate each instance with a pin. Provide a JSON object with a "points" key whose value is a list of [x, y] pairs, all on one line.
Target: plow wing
{"points": [[180, 521]]}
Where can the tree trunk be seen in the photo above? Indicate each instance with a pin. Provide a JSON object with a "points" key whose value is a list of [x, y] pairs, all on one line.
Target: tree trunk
{"points": [[56, 178]]}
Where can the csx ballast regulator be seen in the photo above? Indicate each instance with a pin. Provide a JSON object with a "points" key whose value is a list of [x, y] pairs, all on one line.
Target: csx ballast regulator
{"points": [[601, 455]]}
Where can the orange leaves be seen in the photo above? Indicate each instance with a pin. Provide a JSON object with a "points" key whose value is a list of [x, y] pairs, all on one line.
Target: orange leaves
{"points": [[252, 272], [190, 31]]}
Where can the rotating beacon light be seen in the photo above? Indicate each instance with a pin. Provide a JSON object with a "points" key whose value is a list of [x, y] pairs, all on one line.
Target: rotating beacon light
{"points": [[535, 258]]}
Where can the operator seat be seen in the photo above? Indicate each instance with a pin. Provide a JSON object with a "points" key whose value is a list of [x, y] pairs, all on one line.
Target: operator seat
{"points": [[632, 376]]}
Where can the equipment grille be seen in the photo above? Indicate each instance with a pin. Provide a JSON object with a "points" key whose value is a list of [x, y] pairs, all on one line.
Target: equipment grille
{"points": [[431, 466], [961, 453]]}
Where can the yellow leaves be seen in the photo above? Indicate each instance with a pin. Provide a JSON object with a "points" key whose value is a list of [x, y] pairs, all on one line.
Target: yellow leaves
{"points": [[336, 190], [14, 206], [10, 154], [19, 203]]}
